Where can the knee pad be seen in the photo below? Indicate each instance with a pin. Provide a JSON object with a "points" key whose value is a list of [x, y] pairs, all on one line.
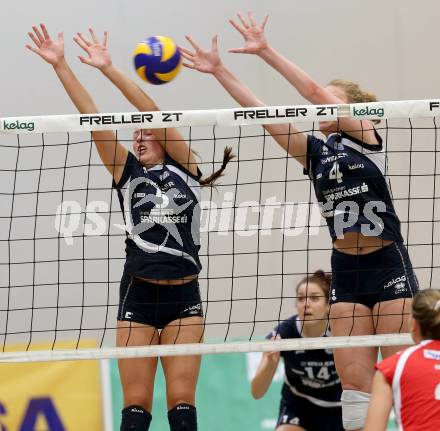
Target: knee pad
{"points": [[183, 417], [354, 408], [135, 418]]}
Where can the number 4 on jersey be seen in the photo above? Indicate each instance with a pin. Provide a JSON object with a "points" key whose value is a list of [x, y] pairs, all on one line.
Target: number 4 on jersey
{"points": [[335, 173]]}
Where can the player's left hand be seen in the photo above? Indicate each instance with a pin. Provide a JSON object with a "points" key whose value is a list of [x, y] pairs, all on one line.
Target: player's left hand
{"points": [[199, 59], [98, 55], [253, 34]]}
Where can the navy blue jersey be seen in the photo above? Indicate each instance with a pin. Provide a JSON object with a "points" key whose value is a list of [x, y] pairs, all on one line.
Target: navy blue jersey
{"points": [[310, 374], [162, 219], [351, 186]]}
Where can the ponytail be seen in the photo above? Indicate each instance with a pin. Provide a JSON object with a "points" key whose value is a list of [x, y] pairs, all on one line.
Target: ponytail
{"points": [[227, 157]]}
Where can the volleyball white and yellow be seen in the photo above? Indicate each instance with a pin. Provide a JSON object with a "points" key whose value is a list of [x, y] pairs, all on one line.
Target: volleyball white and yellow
{"points": [[157, 60]]}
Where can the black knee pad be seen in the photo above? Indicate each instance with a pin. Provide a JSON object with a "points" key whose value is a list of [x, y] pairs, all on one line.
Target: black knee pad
{"points": [[135, 418], [183, 417]]}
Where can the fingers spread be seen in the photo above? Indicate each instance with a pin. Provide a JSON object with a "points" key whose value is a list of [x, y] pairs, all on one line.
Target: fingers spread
{"points": [[193, 43], [31, 48], [238, 27], [92, 33], [252, 19], [45, 32], [236, 50], [83, 39], [34, 39], [81, 43], [84, 60], [214, 42], [38, 34], [185, 52], [243, 21], [189, 66]]}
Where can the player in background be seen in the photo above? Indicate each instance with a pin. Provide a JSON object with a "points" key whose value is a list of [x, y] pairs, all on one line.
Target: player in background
{"points": [[311, 393], [410, 379]]}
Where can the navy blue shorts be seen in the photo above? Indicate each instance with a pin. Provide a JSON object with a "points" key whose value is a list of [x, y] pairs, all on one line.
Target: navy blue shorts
{"points": [[368, 279], [155, 304], [303, 413]]}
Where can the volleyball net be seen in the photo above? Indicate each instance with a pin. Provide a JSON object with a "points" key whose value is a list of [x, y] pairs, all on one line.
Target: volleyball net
{"points": [[62, 232]]}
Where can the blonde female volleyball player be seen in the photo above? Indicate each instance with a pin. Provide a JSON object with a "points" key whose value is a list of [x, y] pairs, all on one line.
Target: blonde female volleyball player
{"points": [[311, 394], [410, 379], [373, 280], [159, 295]]}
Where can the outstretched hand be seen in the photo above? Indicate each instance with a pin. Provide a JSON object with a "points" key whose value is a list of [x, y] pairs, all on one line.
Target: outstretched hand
{"points": [[49, 50], [98, 55], [199, 59], [253, 34]]}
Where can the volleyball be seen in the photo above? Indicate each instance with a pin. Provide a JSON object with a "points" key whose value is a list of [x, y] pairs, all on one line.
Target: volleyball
{"points": [[157, 60]]}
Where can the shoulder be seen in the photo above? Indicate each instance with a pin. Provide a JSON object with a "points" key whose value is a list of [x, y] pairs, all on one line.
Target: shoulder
{"points": [[314, 143], [287, 328], [397, 362], [132, 168], [388, 367], [178, 168], [361, 146]]}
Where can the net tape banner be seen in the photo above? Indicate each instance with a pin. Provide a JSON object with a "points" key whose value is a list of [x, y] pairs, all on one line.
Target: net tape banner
{"points": [[210, 348], [219, 117]]}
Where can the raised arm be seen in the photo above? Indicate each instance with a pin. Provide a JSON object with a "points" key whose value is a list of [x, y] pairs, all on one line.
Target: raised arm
{"points": [[112, 154], [286, 135], [265, 372], [99, 57], [380, 404], [255, 42]]}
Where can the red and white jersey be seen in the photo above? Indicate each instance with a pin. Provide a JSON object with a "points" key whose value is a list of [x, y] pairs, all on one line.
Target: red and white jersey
{"points": [[414, 375]]}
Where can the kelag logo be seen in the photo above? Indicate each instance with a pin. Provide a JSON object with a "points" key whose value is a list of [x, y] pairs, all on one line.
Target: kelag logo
{"points": [[18, 125], [361, 112]]}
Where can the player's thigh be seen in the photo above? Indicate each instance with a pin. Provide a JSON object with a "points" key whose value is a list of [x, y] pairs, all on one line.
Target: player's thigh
{"points": [[137, 374], [392, 317], [181, 372], [289, 428], [355, 365]]}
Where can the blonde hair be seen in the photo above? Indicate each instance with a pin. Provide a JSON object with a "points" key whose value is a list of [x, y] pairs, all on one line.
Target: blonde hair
{"points": [[426, 310], [354, 93]]}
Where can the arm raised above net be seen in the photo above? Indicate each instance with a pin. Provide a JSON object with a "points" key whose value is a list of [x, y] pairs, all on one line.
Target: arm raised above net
{"points": [[112, 154], [99, 57], [255, 42], [286, 135]]}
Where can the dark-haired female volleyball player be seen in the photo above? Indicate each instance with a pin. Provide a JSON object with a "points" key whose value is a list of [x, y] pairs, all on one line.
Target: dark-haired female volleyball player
{"points": [[410, 379], [311, 393], [159, 295], [372, 277]]}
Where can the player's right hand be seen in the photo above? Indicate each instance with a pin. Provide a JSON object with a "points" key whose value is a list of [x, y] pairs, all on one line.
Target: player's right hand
{"points": [[49, 50]]}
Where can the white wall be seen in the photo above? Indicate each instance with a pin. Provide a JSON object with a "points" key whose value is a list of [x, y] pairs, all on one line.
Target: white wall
{"points": [[389, 46]]}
